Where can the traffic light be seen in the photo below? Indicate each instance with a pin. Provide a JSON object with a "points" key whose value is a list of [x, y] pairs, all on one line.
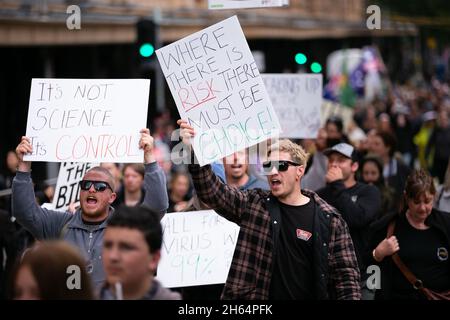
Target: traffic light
{"points": [[316, 67], [146, 38], [300, 58]]}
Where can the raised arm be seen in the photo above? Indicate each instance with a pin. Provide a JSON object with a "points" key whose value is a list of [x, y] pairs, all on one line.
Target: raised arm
{"points": [[229, 202], [42, 223], [154, 180]]}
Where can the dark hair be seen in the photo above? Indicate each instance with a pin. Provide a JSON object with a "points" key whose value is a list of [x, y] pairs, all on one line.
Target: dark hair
{"points": [[418, 182], [49, 262], [389, 140], [378, 163], [138, 167], [143, 219], [337, 121]]}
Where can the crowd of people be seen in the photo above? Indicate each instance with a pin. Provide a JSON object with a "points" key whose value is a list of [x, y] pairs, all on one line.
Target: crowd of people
{"points": [[313, 216]]}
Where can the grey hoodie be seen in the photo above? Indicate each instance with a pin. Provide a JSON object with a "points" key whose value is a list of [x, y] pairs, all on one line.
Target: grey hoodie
{"points": [[48, 224]]}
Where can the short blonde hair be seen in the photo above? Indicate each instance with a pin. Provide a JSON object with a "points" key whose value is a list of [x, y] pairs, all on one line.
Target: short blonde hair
{"points": [[298, 154]]}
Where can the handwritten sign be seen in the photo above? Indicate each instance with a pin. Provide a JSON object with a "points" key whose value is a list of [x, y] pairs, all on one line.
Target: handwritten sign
{"points": [[197, 248], [68, 185], [217, 88], [87, 120], [241, 4], [297, 100]]}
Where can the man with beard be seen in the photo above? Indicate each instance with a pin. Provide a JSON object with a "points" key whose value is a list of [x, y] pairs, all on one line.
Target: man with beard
{"points": [[85, 228]]}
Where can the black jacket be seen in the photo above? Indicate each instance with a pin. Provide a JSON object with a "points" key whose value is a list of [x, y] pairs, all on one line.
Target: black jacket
{"points": [[359, 206], [378, 232]]}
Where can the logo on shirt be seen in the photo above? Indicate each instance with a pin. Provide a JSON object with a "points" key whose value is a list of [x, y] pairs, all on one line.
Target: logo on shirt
{"points": [[304, 235], [442, 254], [354, 198]]}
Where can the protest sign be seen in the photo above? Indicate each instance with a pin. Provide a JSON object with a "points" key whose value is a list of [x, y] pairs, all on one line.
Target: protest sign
{"points": [[218, 90], [197, 248], [297, 100], [241, 4], [87, 120], [67, 188]]}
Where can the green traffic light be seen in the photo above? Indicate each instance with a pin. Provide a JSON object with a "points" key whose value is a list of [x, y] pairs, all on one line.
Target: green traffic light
{"points": [[300, 58], [316, 67], [146, 50]]}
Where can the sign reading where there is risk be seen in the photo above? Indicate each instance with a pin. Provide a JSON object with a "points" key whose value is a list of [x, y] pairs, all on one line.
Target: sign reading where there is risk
{"points": [[218, 90], [87, 120]]}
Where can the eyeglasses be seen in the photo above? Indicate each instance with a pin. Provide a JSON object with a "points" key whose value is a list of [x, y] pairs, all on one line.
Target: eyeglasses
{"points": [[281, 166], [99, 186]]}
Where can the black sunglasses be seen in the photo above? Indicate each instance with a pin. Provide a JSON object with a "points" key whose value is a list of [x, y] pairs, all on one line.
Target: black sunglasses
{"points": [[99, 186], [281, 166]]}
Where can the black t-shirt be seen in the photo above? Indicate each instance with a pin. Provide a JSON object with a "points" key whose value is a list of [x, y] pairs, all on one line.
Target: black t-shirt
{"points": [[425, 253], [293, 265]]}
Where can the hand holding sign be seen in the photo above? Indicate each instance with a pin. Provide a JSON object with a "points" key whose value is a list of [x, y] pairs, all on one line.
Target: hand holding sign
{"points": [[186, 132], [147, 143], [22, 149]]}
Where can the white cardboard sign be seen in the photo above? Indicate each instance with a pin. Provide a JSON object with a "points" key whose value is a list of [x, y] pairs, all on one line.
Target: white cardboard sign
{"points": [[217, 88], [297, 100], [197, 248], [87, 120]]}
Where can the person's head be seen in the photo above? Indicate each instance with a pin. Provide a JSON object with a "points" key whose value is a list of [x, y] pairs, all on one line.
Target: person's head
{"points": [[285, 167], [334, 127], [419, 194], [443, 119], [133, 176], [131, 248], [372, 170], [96, 194], [345, 157], [384, 122], [383, 144], [12, 161], [321, 141], [114, 169], [179, 184], [51, 270], [236, 165]]}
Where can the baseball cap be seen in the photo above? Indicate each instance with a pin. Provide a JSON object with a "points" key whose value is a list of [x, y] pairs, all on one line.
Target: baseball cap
{"points": [[345, 149]]}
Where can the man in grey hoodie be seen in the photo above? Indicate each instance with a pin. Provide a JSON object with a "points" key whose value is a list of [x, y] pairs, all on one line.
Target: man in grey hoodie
{"points": [[131, 253], [85, 228]]}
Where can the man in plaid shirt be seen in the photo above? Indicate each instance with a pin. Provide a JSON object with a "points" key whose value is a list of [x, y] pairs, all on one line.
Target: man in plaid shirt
{"points": [[292, 244]]}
